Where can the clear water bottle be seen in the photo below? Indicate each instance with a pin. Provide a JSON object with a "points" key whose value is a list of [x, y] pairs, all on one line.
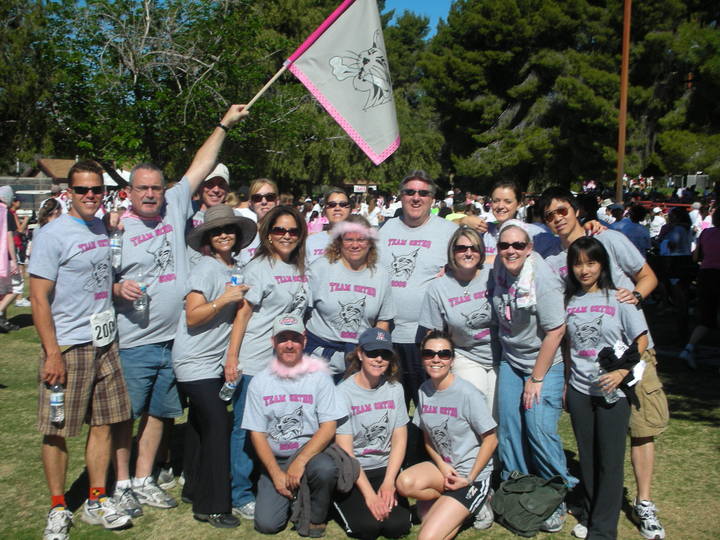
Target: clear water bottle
{"points": [[227, 390], [610, 396], [141, 304], [116, 249], [237, 278], [57, 404]]}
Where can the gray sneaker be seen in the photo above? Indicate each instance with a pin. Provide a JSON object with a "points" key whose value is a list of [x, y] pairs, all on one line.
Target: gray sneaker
{"points": [[246, 511], [556, 520], [59, 521], [151, 494], [485, 517], [645, 515], [105, 512], [166, 478], [128, 502]]}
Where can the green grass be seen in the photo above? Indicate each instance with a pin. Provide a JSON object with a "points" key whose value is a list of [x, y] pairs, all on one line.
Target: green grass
{"points": [[685, 482]]}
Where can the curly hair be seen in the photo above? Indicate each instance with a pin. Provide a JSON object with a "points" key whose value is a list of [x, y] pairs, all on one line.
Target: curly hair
{"points": [[297, 257], [333, 251], [392, 373]]}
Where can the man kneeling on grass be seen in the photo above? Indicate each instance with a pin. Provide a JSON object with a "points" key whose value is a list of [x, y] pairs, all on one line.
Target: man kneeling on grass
{"points": [[291, 413]]}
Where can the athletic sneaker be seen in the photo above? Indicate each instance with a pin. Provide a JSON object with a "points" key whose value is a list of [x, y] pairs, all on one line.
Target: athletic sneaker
{"points": [[23, 302], [246, 511], [151, 494], [59, 521], [645, 515], [556, 520], [688, 357], [485, 517], [105, 512], [579, 531], [128, 502], [166, 478]]}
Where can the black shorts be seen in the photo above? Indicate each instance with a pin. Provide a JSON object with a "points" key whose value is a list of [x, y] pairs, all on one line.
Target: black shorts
{"points": [[471, 497]]}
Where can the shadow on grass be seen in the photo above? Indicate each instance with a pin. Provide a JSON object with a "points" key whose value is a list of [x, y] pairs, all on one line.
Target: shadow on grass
{"points": [[23, 320]]}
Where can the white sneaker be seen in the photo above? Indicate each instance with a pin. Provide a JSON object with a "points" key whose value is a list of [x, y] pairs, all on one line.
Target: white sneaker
{"points": [[166, 478], [485, 517], [59, 521], [645, 515], [246, 511], [105, 512], [580, 531], [151, 494], [23, 302], [127, 502]]}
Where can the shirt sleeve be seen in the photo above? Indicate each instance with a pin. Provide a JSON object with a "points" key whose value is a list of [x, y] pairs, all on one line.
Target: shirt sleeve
{"points": [[430, 312], [252, 415], [401, 415], [45, 262], [346, 427], [257, 282], [327, 407], [201, 280], [627, 255], [633, 321], [387, 304]]}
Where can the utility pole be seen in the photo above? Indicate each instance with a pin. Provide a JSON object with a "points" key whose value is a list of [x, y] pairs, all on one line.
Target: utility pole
{"points": [[622, 117]]}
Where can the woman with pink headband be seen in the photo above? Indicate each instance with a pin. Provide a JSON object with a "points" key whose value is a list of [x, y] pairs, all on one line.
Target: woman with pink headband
{"points": [[348, 293]]}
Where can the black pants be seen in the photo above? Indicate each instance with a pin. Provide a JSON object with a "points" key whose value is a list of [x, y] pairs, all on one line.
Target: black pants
{"points": [[355, 517], [207, 448], [601, 433], [413, 374]]}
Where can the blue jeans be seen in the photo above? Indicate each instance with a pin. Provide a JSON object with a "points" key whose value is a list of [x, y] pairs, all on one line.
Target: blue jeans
{"points": [[241, 464], [528, 440]]}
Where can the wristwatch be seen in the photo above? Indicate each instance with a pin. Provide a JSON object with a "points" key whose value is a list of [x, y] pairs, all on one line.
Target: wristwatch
{"points": [[639, 298]]}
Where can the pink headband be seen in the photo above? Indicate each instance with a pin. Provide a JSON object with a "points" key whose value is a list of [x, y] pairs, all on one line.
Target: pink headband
{"points": [[345, 227]]}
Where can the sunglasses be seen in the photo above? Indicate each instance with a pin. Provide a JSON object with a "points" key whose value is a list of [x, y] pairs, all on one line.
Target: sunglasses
{"points": [[442, 354], [382, 353], [518, 246], [82, 190], [227, 229], [333, 204], [269, 197], [461, 248], [420, 192], [282, 231], [561, 212]]}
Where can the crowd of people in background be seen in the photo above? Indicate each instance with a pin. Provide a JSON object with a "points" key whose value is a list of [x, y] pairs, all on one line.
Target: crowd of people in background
{"points": [[374, 348]]}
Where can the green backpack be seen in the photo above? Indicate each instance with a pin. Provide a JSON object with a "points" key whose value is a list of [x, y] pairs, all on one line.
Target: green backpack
{"points": [[524, 501]]}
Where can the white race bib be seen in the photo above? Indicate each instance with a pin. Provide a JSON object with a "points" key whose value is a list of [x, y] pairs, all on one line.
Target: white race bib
{"points": [[103, 327]]}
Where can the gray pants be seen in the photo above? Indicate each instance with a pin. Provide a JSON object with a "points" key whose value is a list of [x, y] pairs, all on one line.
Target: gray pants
{"points": [[272, 510]]}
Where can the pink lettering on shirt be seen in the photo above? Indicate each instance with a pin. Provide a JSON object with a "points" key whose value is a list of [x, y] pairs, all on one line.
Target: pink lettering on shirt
{"points": [[398, 284], [610, 310], [449, 411], [101, 295], [339, 287], [302, 398], [588, 353], [389, 404], [140, 238], [360, 409], [369, 291], [167, 277], [103, 243], [269, 400], [396, 242], [87, 246], [427, 244], [429, 409], [456, 301], [348, 335], [289, 446], [578, 309], [165, 229], [318, 251], [482, 334], [479, 294]]}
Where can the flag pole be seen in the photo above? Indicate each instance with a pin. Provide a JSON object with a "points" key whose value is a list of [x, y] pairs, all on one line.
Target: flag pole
{"points": [[622, 116], [267, 85]]}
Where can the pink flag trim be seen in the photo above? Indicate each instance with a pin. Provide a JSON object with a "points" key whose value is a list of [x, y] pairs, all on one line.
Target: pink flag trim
{"points": [[377, 159], [319, 31]]}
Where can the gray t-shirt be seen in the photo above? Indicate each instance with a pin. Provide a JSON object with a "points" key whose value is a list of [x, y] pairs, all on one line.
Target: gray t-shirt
{"points": [[75, 255], [199, 352], [465, 309], [275, 288], [544, 241], [157, 249], [315, 246], [455, 420], [595, 321], [373, 416], [246, 254], [522, 330], [290, 411], [412, 256]]}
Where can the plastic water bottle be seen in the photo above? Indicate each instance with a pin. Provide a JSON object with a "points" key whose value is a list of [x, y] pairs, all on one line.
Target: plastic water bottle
{"points": [[227, 390], [116, 249], [237, 278], [610, 396], [57, 404], [141, 303]]}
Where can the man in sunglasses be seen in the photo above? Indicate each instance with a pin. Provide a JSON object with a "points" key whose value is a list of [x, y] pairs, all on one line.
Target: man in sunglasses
{"points": [[634, 280], [337, 209], [71, 291], [155, 263], [213, 191], [413, 248]]}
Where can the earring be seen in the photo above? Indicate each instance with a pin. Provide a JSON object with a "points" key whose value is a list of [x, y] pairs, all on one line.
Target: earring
{"points": [[271, 240]]}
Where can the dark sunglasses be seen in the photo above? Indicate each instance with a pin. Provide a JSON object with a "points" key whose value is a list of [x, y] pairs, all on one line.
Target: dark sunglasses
{"points": [[420, 192], [442, 354], [519, 246], [385, 355], [82, 190], [269, 197], [460, 248], [562, 212], [282, 231], [333, 204], [227, 229]]}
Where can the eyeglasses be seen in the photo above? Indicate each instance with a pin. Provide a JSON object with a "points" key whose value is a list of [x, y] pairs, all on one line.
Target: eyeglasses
{"points": [[282, 231], [382, 353], [82, 190], [333, 204], [269, 197], [412, 192], [561, 212], [154, 189], [442, 354], [518, 246], [461, 248], [227, 229], [362, 241]]}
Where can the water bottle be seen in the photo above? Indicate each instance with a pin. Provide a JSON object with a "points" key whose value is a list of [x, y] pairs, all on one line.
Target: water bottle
{"points": [[116, 249], [227, 390], [237, 278], [610, 396], [57, 404], [140, 304]]}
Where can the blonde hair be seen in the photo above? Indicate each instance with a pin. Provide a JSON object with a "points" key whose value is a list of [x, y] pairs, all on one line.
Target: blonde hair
{"points": [[333, 251]]}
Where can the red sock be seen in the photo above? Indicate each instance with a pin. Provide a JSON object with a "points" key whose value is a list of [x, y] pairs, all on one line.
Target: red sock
{"points": [[57, 500], [96, 493]]}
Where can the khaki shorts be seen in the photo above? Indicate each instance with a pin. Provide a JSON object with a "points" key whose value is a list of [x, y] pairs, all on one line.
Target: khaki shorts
{"points": [[95, 391], [653, 416]]}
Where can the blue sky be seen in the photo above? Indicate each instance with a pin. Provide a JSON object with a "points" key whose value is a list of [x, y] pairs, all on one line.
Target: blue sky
{"points": [[435, 9]]}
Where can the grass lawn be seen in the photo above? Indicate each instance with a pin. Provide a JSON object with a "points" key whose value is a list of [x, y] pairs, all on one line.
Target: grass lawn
{"points": [[685, 487]]}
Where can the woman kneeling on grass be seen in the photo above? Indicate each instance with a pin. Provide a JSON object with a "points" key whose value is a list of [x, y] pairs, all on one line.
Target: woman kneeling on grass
{"points": [[459, 434], [596, 319]]}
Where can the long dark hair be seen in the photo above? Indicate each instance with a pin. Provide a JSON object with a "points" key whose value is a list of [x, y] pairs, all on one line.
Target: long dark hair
{"points": [[297, 257], [594, 251]]}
